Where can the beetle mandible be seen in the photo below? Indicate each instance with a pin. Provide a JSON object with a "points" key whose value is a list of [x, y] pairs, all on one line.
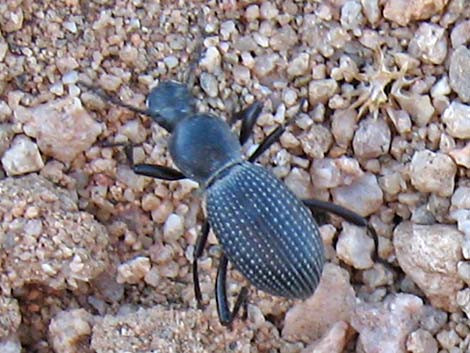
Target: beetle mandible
{"points": [[268, 234]]}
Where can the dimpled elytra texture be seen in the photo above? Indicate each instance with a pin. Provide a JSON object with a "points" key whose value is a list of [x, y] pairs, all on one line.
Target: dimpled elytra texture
{"points": [[266, 232]]}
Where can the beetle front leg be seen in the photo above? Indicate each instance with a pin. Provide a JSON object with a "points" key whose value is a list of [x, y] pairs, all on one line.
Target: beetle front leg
{"points": [[151, 170], [226, 316]]}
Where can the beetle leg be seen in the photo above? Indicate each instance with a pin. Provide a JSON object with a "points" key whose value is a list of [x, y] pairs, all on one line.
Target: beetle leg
{"points": [[273, 137], [225, 315], [248, 116], [158, 172], [151, 170], [347, 215], [198, 249], [267, 142]]}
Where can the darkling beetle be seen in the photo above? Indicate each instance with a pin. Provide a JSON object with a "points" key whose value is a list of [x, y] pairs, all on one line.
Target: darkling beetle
{"points": [[267, 233]]}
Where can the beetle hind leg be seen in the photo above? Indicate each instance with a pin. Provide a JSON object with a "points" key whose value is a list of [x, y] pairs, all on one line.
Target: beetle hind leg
{"points": [[198, 249], [348, 215], [226, 316]]}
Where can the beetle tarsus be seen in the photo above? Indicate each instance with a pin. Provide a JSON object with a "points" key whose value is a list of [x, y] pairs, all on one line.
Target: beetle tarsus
{"points": [[198, 249], [226, 316]]}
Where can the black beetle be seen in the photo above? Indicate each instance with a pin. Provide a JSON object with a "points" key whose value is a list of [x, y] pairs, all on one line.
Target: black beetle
{"points": [[268, 234]]}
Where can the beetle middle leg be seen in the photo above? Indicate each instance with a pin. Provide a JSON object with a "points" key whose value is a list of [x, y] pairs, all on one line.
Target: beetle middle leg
{"points": [[273, 137], [226, 316], [248, 116]]}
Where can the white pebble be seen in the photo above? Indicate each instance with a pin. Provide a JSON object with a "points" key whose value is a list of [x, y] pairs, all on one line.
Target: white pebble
{"points": [[355, 247], [433, 172], [173, 228], [22, 157], [457, 120]]}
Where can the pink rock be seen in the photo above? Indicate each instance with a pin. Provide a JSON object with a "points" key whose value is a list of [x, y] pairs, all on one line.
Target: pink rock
{"points": [[364, 196], [403, 11], [384, 327], [62, 128], [333, 301], [320, 91], [429, 254], [461, 156], [333, 342], [421, 341]]}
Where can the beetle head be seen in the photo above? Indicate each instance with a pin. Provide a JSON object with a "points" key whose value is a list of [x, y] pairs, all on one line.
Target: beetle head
{"points": [[169, 103]]}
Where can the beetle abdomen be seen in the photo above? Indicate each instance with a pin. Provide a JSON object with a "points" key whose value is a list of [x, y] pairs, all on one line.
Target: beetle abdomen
{"points": [[265, 231]]}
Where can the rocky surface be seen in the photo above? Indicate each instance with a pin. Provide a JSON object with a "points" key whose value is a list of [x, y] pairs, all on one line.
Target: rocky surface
{"points": [[45, 238], [384, 327], [97, 259]]}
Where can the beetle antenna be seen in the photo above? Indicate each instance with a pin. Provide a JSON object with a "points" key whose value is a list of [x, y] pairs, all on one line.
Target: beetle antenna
{"points": [[116, 101], [189, 76]]}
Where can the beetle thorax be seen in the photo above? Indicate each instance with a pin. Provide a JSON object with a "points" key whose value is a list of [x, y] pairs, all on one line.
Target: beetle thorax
{"points": [[202, 144]]}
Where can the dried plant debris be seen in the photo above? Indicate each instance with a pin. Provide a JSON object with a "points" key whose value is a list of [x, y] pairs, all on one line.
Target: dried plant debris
{"points": [[97, 259]]}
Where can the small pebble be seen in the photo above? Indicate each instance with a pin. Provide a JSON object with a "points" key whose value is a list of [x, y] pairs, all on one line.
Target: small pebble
{"points": [[383, 327], [320, 91], [457, 121], [372, 139], [403, 11], [209, 84], [173, 228], [68, 328], [363, 196], [459, 73], [460, 34], [429, 43], [421, 341], [299, 65], [242, 75], [211, 60], [448, 339], [354, 247], [433, 172], [268, 10], [133, 271], [429, 254], [22, 157]]}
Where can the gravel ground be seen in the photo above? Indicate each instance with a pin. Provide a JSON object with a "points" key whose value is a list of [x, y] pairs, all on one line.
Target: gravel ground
{"points": [[97, 259]]}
